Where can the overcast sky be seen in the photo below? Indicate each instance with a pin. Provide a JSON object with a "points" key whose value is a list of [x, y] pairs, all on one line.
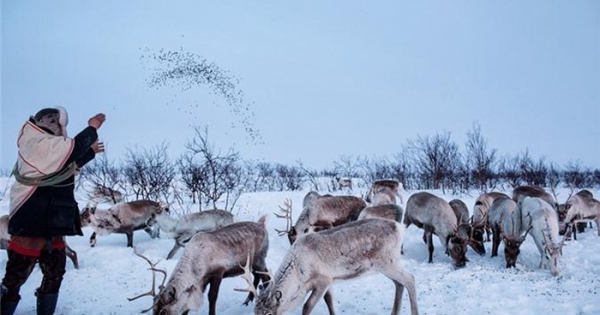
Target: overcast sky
{"points": [[320, 79]]}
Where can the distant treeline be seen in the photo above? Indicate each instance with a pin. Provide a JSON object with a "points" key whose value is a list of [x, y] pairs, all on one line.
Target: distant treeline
{"points": [[209, 176]]}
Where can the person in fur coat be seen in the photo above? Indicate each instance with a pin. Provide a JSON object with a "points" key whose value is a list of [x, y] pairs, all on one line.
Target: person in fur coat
{"points": [[43, 209]]}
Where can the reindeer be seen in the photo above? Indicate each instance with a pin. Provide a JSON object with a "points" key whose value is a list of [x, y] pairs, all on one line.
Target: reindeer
{"points": [[521, 192], [207, 259], [124, 218], [382, 205], [581, 208], [348, 251], [562, 213], [189, 224], [391, 187], [343, 182], [479, 222], [435, 216], [505, 220], [5, 238], [540, 217], [323, 212], [461, 211]]}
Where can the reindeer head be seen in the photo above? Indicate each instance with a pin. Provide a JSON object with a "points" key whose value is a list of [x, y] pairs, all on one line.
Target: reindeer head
{"points": [[457, 246], [512, 250], [269, 303], [171, 302], [475, 237], [87, 213], [552, 252]]}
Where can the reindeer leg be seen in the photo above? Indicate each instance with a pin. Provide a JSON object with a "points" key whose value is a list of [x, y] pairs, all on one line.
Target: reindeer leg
{"points": [[397, 298], [93, 239], [73, 256], [495, 241], [321, 286], [213, 292], [129, 238], [328, 297], [430, 246], [173, 251], [402, 279]]}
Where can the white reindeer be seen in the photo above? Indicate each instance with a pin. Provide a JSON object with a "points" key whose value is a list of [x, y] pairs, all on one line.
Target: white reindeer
{"points": [[506, 224], [189, 224], [348, 251], [541, 218], [124, 218]]}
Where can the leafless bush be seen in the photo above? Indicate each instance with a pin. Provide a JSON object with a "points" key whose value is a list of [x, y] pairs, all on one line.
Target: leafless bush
{"points": [[191, 175], [434, 159], [288, 177], [149, 174], [215, 174], [510, 170], [553, 179], [479, 161], [347, 166], [103, 173], [532, 172], [573, 175], [375, 168], [311, 176]]}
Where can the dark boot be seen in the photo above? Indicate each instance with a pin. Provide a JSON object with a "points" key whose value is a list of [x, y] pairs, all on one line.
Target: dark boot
{"points": [[46, 303], [7, 306]]}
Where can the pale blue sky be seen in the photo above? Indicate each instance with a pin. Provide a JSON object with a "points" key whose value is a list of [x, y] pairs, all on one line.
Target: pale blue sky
{"points": [[323, 78]]}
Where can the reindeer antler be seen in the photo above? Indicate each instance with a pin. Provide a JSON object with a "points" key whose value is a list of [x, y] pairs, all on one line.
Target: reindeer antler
{"points": [[152, 291], [247, 276], [287, 215]]}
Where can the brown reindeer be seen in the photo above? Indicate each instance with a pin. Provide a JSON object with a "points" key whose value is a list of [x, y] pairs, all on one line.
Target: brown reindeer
{"points": [[207, 259], [391, 187], [323, 212], [580, 208], [435, 216], [479, 222], [562, 213], [521, 192], [461, 211]]}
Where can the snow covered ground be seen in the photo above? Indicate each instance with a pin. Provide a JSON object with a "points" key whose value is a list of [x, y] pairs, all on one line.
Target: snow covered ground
{"points": [[111, 272]]}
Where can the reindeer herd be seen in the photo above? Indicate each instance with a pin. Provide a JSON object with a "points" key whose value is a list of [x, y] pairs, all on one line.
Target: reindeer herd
{"points": [[335, 238]]}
